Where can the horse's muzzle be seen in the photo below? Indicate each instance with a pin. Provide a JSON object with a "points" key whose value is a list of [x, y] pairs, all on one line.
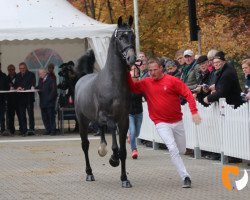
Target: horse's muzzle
{"points": [[131, 57]]}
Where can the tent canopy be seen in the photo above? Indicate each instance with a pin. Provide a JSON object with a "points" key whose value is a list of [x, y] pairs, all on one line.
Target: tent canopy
{"points": [[52, 19], [46, 19]]}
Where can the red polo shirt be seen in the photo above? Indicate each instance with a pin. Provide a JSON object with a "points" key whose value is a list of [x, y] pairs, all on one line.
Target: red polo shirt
{"points": [[163, 97]]}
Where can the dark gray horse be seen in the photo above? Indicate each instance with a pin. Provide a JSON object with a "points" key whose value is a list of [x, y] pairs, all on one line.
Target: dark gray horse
{"points": [[104, 98]]}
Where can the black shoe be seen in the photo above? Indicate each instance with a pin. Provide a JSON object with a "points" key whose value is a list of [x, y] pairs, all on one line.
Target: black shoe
{"points": [[31, 132], [24, 134], [186, 183], [53, 133]]}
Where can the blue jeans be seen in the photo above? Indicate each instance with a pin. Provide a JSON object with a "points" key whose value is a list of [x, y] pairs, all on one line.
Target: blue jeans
{"points": [[134, 128]]}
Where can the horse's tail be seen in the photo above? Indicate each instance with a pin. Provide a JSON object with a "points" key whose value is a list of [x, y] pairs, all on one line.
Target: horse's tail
{"points": [[85, 64]]}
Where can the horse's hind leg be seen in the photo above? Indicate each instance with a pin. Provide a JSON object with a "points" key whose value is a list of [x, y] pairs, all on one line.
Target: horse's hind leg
{"points": [[123, 128], [102, 150], [83, 129]]}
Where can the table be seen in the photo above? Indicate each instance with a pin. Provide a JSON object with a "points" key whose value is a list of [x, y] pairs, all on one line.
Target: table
{"points": [[18, 91]]}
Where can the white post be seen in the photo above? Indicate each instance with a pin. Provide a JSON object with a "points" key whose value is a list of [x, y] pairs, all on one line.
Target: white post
{"points": [[137, 37], [222, 104]]}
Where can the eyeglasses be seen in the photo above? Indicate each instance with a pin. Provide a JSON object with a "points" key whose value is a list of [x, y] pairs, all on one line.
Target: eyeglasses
{"points": [[217, 62]]}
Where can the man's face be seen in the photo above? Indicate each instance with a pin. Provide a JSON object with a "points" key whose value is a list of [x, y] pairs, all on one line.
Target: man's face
{"points": [[22, 69], [204, 66], [171, 69], [11, 71], [181, 60], [218, 63], [142, 57], [41, 74], [155, 71], [189, 59], [246, 69]]}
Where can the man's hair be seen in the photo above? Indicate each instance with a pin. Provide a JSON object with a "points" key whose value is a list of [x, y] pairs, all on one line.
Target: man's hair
{"points": [[23, 63], [246, 61], [154, 60], [11, 66]]}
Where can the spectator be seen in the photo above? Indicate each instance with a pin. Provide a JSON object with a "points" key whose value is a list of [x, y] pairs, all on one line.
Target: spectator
{"points": [[246, 70], [210, 55], [47, 93], [135, 115], [143, 70], [190, 72], [163, 96], [142, 57], [204, 80], [180, 59], [51, 72], [11, 100], [3, 86], [25, 80], [226, 83], [172, 69]]}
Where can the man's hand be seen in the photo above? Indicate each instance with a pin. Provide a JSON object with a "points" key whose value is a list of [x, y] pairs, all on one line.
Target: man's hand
{"points": [[196, 118], [206, 100]]}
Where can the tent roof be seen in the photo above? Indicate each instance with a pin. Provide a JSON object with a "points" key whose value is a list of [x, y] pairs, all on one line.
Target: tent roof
{"points": [[47, 19]]}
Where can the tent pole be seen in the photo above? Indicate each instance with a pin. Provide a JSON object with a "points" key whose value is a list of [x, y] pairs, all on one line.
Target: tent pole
{"points": [[137, 37]]}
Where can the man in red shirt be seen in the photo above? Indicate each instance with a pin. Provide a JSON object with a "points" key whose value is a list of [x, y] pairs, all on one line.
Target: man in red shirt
{"points": [[163, 93]]}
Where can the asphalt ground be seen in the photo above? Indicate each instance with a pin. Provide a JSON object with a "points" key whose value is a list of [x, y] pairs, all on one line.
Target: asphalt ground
{"points": [[46, 167]]}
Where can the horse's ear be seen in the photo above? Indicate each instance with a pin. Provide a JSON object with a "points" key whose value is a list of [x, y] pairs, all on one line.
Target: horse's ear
{"points": [[119, 22], [130, 20]]}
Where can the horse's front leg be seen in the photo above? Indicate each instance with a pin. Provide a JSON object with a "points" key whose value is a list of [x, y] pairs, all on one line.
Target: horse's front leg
{"points": [[102, 150], [123, 129], [114, 159], [83, 126]]}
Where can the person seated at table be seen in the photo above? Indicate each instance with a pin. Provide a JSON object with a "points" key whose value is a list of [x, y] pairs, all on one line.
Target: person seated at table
{"points": [[48, 94]]}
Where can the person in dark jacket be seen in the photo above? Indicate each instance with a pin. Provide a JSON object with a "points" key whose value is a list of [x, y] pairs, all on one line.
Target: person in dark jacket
{"points": [[204, 80], [135, 115], [25, 80], [48, 94], [3, 86], [11, 100], [226, 83]]}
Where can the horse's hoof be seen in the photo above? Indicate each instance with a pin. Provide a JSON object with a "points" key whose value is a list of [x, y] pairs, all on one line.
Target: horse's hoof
{"points": [[90, 178], [126, 184], [114, 162], [102, 150]]}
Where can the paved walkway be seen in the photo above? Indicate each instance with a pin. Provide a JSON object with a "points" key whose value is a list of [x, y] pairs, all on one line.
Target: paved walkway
{"points": [[41, 167]]}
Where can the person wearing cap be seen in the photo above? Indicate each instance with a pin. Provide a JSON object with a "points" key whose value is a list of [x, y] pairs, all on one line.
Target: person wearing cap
{"points": [[163, 97], [226, 84], [204, 80], [172, 69], [190, 72]]}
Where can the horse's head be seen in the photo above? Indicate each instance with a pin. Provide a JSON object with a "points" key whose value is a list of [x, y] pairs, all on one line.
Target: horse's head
{"points": [[125, 40]]}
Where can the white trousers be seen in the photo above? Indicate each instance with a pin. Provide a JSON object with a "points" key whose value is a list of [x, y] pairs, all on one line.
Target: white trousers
{"points": [[174, 137]]}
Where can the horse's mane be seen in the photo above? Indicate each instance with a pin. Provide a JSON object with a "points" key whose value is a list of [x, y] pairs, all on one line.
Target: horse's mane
{"points": [[85, 64]]}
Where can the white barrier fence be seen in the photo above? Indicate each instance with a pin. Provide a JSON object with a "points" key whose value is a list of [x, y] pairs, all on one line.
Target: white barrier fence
{"points": [[222, 130]]}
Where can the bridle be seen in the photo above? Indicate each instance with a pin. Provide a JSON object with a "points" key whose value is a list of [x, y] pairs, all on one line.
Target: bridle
{"points": [[124, 50]]}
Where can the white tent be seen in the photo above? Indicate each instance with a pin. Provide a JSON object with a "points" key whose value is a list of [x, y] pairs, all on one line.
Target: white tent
{"points": [[26, 25]]}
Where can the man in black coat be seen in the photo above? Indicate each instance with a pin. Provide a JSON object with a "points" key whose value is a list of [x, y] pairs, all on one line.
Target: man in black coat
{"points": [[48, 94], [3, 86], [11, 100], [25, 80], [226, 83]]}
